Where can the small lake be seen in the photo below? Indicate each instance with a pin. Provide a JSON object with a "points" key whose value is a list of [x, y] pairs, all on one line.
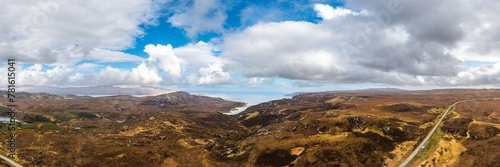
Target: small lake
{"points": [[237, 110], [251, 98], [6, 119]]}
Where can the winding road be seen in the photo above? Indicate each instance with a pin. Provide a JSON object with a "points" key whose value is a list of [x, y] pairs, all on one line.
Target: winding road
{"points": [[11, 162], [425, 141]]}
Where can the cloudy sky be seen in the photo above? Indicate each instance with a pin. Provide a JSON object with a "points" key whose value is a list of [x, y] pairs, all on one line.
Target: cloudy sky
{"points": [[253, 45]]}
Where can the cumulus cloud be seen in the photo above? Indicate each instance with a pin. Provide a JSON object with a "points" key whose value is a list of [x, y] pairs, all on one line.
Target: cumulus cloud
{"points": [[481, 75], [45, 31], [390, 42], [279, 49], [49, 34], [308, 51], [140, 75], [50, 38], [202, 66], [197, 55], [482, 39], [164, 57], [214, 74], [85, 74], [193, 64], [328, 12], [37, 75]]}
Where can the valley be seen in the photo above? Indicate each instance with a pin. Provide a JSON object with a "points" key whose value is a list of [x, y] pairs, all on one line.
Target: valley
{"points": [[310, 129]]}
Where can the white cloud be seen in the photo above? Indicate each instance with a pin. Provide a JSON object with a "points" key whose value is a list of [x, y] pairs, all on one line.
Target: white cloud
{"points": [[192, 79], [214, 74], [37, 75], [482, 42], [285, 49], [392, 43], [202, 17], [328, 12], [104, 55], [144, 74], [481, 75], [197, 55], [86, 67], [84, 74], [198, 66], [44, 31], [164, 57], [140, 75], [256, 80], [76, 77], [202, 66]]}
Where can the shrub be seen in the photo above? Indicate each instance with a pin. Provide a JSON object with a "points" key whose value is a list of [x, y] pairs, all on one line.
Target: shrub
{"points": [[36, 118], [190, 111], [85, 115]]}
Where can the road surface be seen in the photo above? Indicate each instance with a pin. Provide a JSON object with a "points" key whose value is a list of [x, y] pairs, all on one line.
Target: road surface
{"points": [[11, 162], [424, 142]]}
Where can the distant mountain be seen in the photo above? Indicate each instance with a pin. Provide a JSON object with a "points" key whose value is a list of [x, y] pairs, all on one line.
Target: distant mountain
{"points": [[295, 93], [97, 90], [370, 90], [379, 90], [117, 105]]}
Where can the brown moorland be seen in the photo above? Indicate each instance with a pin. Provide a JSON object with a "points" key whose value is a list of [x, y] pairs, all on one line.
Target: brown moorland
{"points": [[310, 129]]}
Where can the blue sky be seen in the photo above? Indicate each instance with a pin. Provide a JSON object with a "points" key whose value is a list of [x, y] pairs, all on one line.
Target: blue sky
{"points": [[268, 11], [254, 46]]}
